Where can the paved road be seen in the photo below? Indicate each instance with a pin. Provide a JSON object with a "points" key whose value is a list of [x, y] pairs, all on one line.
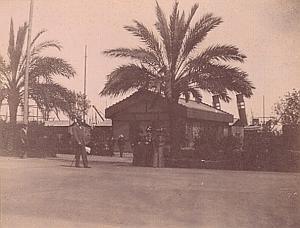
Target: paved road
{"points": [[47, 193]]}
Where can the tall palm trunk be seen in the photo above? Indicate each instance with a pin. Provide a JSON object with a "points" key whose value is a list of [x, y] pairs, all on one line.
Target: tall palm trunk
{"points": [[173, 117], [13, 103]]}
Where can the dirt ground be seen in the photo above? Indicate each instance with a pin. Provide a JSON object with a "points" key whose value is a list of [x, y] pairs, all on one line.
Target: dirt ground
{"points": [[49, 193]]}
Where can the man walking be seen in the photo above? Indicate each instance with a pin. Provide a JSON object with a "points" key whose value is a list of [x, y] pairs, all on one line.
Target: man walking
{"points": [[121, 144], [79, 141]]}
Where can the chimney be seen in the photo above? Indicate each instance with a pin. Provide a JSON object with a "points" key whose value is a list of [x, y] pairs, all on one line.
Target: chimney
{"points": [[242, 109], [198, 99], [216, 102]]}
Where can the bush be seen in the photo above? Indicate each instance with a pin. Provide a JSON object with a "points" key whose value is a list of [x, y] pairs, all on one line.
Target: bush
{"points": [[209, 148]]}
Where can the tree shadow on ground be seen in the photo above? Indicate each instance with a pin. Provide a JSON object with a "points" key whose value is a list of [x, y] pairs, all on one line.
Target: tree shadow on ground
{"points": [[111, 163]]}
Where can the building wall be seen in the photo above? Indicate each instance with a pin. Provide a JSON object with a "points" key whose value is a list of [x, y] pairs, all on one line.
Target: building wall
{"points": [[140, 114], [130, 127], [196, 128], [189, 129]]}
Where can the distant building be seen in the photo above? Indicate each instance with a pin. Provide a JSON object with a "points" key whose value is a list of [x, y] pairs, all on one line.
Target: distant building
{"points": [[58, 123]]}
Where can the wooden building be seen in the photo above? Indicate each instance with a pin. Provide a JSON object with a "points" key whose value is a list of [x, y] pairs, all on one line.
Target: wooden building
{"points": [[146, 108]]}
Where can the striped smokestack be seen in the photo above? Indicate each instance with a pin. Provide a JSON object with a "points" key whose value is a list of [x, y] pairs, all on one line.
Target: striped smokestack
{"points": [[242, 109], [216, 102]]}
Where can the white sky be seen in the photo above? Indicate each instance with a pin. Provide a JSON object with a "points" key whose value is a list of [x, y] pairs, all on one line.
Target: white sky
{"points": [[267, 31]]}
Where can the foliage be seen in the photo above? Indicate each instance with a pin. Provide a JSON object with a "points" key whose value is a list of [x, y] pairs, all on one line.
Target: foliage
{"points": [[170, 64], [51, 97], [79, 105], [288, 108], [42, 71], [211, 148]]}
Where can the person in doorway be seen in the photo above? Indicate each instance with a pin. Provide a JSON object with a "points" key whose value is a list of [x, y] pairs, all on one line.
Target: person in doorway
{"points": [[77, 132], [121, 144], [24, 141], [149, 150]]}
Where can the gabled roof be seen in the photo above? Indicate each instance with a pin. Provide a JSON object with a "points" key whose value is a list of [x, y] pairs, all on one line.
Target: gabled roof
{"points": [[200, 105], [190, 109]]}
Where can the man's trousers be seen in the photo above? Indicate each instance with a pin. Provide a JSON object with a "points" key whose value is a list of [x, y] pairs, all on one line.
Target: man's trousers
{"points": [[80, 150]]}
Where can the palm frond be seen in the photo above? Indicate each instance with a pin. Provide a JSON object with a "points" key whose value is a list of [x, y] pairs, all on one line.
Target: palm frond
{"points": [[199, 32], [163, 29], [51, 95], [182, 28], [4, 69], [36, 50], [143, 55], [44, 45], [147, 37], [126, 78], [47, 67], [191, 15], [37, 36], [218, 79], [11, 43], [176, 27], [219, 52], [15, 58], [51, 66]]}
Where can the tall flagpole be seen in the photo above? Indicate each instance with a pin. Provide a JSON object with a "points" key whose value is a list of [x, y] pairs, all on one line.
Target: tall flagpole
{"points": [[26, 101], [263, 109], [84, 83]]}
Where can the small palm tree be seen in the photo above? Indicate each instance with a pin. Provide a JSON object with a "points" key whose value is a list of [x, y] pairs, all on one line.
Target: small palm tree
{"points": [[173, 66], [42, 70]]}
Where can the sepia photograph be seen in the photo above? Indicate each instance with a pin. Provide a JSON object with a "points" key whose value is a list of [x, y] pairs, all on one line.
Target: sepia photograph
{"points": [[149, 113]]}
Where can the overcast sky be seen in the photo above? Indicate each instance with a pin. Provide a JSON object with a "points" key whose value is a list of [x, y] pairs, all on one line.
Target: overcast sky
{"points": [[267, 31]]}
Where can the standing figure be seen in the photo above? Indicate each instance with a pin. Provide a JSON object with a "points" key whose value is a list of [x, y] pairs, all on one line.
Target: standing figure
{"points": [[121, 144], [149, 149], [159, 145], [24, 141], [138, 148], [79, 138], [111, 143]]}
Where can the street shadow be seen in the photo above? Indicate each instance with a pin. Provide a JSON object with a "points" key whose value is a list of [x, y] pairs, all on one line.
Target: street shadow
{"points": [[95, 163]]}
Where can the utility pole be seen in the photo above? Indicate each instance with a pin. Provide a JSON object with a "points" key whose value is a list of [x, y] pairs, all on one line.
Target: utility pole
{"points": [[84, 83], [26, 101], [263, 109]]}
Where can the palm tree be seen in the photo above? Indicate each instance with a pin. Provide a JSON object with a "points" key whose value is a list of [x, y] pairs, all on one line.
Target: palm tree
{"points": [[172, 64], [42, 70]]}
